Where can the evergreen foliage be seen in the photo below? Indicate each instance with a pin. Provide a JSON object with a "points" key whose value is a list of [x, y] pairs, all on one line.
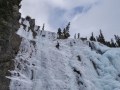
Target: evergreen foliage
{"points": [[65, 33], [78, 35], [28, 18], [112, 43], [117, 38], [92, 38], [59, 33], [101, 38]]}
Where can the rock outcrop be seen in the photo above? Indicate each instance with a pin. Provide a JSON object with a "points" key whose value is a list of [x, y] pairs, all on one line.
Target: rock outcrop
{"points": [[9, 40]]}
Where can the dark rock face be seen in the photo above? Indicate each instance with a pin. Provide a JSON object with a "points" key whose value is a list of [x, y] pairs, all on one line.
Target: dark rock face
{"points": [[9, 40], [32, 25]]}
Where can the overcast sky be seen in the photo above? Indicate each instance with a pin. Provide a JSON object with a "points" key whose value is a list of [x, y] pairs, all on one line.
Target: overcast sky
{"points": [[86, 16]]}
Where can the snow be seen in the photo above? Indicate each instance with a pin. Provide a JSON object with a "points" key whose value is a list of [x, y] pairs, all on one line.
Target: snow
{"points": [[39, 65]]}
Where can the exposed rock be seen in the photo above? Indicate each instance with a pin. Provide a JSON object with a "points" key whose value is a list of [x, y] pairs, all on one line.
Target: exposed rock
{"points": [[9, 40], [32, 25]]}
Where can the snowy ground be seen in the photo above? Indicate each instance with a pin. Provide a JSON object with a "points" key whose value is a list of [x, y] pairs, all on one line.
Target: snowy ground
{"points": [[39, 65]]}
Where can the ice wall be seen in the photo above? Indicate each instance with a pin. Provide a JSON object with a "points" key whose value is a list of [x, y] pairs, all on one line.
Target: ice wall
{"points": [[39, 65]]}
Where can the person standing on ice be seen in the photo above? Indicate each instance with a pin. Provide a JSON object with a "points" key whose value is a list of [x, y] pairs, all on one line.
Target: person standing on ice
{"points": [[58, 45]]}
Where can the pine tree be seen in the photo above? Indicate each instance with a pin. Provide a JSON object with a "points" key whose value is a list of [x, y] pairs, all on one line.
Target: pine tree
{"points": [[59, 33], [68, 27], [64, 33], [101, 38], [43, 27], [78, 35], [28, 18], [117, 38], [108, 43], [112, 43], [92, 38], [67, 31], [97, 38]]}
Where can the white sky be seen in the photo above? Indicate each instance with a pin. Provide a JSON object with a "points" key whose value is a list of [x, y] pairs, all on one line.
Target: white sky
{"points": [[86, 16]]}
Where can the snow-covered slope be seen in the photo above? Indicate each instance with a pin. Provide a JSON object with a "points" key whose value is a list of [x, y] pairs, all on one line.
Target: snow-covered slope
{"points": [[39, 65]]}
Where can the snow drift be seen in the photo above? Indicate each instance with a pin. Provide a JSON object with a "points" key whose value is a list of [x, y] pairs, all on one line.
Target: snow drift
{"points": [[39, 65]]}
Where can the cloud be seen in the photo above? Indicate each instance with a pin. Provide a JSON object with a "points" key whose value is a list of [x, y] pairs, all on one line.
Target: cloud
{"points": [[105, 16], [37, 9], [69, 4], [86, 16]]}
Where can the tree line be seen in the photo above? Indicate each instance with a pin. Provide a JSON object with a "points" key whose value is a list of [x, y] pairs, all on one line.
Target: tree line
{"points": [[100, 38], [63, 34]]}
